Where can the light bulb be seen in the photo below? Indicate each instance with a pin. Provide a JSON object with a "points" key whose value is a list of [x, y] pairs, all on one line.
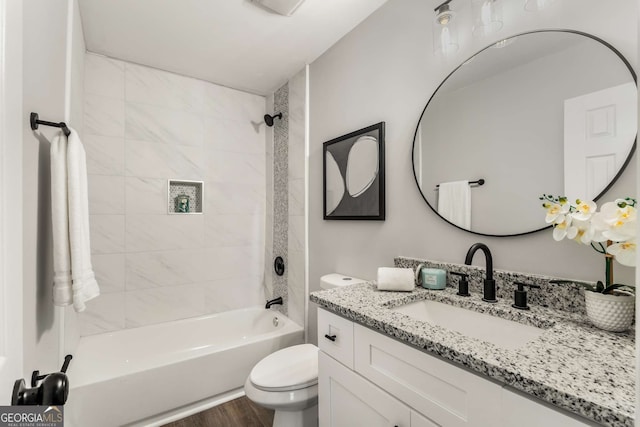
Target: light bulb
{"points": [[487, 17], [444, 31], [445, 39], [536, 5]]}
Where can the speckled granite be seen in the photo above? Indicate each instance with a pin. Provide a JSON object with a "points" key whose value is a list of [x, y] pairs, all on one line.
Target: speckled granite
{"points": [[281, 195], [565, 296], [572, 364]]}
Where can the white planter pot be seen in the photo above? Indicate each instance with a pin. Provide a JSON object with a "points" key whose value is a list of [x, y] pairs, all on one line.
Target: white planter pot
{"points": [[610, 312]]}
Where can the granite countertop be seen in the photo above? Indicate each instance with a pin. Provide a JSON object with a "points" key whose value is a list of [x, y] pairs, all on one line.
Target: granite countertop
{"points": [[572, 365]]}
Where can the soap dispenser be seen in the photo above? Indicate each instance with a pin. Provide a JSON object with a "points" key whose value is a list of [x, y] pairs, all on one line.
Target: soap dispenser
{"points": [[463, 284], [520, 295]]}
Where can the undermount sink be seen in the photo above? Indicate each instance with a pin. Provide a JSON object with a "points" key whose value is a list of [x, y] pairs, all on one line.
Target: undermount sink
{"points": [[503, 333]]}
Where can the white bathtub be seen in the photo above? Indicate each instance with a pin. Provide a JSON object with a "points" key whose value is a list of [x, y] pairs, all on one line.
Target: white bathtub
{"points": [[160, 372]]}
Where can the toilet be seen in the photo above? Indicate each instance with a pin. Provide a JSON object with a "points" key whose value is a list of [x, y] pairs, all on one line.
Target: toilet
{"points": [[287, 380]]}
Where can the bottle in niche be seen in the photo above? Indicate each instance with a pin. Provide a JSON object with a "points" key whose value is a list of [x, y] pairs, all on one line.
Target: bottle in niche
{"points": [[182, 203]]}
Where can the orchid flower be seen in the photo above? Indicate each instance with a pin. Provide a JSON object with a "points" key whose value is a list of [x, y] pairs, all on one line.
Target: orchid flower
{"points": [[581, 231], [584, 210], [556, 212], [615, 223], [624, 252], [560, 230]]}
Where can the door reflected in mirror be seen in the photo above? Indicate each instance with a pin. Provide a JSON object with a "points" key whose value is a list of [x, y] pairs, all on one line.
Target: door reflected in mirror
{"points": [[550, 112]]}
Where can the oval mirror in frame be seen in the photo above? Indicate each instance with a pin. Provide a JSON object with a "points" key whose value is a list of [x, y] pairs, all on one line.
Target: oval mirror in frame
{"points": [[548, 111]]}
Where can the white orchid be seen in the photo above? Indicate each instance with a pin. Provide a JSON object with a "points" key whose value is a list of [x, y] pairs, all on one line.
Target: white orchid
{"points": [[624, 252], [581, 231], [561, 229], [612, 231], [556, 211], [584, 210], [617, 220]]}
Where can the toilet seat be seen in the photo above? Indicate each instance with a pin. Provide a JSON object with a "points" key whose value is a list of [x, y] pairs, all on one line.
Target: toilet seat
{"points": [[291, 368]]}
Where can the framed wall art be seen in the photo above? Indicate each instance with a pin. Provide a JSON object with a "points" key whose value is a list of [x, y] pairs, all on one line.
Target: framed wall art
{"points": [[353, 175]]}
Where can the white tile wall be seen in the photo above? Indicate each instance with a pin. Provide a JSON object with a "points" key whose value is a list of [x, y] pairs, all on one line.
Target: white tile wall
{"points": [[103, 115], [105, 155], [106, 194], [110, 271], [107, 233], [157, 124], [103, 314], [142, 127], [145, 307]]}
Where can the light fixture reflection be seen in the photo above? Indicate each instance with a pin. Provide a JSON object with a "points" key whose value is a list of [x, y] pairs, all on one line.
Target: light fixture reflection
{"points": [[445, 36], [537, 5], [503, 43], [487, 17]]}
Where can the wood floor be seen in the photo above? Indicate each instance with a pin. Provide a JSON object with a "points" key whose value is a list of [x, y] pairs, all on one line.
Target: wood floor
{"points": [[236, 413]]}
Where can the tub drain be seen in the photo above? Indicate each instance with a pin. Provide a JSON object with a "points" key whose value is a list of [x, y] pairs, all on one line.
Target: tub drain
{"points": [[275, 321]]}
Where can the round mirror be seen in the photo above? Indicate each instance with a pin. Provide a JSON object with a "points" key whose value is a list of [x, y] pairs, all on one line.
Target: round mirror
{"points": [[543, 112]]}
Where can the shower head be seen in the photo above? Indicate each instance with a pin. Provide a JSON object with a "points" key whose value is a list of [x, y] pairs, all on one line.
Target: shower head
{"points": [[269, 119]]}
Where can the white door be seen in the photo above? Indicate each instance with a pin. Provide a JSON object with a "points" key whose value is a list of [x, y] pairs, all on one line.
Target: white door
{"points": [[346, 399], [11, 127], [599, 130]]}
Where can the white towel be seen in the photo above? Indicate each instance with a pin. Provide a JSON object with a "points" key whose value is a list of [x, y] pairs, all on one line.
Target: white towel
{"points": [[454, 203], [62, 293], [395, 279], [70, 205]]}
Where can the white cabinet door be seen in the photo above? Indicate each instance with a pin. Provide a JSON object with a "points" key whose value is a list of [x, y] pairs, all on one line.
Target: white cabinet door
{"points": [[347, 400], [419, 420], [521, 411], [447, 395]]}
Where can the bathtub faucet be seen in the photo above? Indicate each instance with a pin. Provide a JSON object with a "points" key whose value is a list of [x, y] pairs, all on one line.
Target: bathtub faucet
{"points": [[273, 302]]}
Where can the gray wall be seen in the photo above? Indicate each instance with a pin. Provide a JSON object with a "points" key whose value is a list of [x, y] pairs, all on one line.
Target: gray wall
{"points": [[384, 70], [44, 62], [74, 115]]}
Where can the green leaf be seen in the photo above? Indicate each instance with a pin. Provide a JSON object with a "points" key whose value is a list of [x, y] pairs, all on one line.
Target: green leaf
{"points": [[600, 287], [610, 289]]}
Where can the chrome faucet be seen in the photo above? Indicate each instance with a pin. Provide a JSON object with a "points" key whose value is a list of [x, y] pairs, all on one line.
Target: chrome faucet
{"points": [[274, 302], [489, 283]]}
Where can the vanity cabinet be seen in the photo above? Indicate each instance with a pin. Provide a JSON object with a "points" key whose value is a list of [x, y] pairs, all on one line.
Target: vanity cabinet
{"points": [[522, 411], [380, 381], [346, 399], [444, 393]]}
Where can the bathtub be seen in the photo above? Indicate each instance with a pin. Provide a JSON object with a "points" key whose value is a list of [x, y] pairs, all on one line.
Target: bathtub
{"points": [[159, 373]]}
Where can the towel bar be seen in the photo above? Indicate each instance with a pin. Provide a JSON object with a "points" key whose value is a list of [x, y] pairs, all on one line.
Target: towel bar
{"points": [[35, 122], [477, 183]]}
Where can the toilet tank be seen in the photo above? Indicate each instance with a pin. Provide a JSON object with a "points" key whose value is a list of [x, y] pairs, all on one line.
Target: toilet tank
{"points": [[335, 280]]}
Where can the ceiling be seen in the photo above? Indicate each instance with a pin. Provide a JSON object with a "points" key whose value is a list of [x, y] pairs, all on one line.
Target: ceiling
{"points": [[235, 43]]}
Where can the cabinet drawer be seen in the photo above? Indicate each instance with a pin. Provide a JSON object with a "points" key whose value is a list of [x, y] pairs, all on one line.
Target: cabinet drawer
{"points": [[446, 394], [335, 337]]}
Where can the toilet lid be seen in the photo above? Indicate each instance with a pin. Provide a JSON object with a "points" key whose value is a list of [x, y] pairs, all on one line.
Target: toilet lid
{"points": [[291, 368]]}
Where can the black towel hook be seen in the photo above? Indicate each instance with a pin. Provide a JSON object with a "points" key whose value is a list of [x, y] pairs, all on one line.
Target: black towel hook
{"points": [[35, 122]]}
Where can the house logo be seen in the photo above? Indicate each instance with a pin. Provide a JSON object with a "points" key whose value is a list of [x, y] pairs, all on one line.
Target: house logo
{"points": [[31, 416]]}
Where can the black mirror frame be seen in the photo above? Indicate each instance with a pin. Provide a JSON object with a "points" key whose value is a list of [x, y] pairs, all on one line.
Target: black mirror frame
{"points": [[615, 178]]}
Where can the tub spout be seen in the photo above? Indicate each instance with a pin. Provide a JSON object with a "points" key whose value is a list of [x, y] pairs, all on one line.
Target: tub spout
{"points": [[273, 302]]}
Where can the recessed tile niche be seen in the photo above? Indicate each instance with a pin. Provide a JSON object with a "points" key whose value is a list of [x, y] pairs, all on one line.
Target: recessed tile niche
{"points": [[184, 196]]}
